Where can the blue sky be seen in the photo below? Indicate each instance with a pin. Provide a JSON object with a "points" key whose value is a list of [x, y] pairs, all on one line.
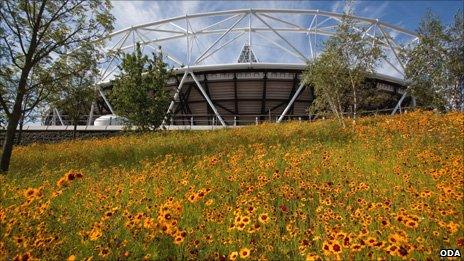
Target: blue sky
{"points": [[406, 14]]}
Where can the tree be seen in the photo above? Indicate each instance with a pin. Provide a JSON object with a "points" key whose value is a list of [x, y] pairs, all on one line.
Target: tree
{"points": [[139, 93], [76, 92], [327, 74], [34, 34], [357, 53], [435, 66], [456, 50], [337, 74]]}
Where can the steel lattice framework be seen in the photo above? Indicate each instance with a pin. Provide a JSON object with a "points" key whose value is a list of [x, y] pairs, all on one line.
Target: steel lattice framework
{"points": [[253, 28]]}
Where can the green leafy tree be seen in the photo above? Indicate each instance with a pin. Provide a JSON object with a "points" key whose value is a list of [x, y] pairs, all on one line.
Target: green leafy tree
{"points": [[76, 92], [33, 35], [358, 55], [456, 50], [435, 66], [139, 94], [327, 74], [342, 69]]}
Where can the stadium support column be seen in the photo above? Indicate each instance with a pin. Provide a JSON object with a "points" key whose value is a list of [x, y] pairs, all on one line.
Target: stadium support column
{"points": [[59, 116], [89, 120], [176, 95], [398, 105], [297, 93], [208, 109], [295, 83], [235, 94], [208, 99], [106, 101], [263, 98]]}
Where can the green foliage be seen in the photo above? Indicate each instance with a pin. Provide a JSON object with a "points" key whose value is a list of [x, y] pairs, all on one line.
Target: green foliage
{"points": [[343, 67], [76, 92], [326, 74], [139, 92], [435, 66], [34, 35], [456, 63]]}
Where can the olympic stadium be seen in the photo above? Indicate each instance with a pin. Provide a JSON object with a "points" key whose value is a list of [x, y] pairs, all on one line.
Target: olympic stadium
{"points": [[244, 66]]}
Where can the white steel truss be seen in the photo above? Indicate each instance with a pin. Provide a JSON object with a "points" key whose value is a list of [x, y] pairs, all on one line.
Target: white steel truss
{"points": [[278, 28]]}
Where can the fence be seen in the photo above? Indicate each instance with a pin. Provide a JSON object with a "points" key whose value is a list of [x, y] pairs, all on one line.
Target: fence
{"points": [[63, 123]]}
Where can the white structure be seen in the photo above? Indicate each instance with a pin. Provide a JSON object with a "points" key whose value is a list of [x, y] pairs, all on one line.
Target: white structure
{"points": [[204, 45], [109, 120]]}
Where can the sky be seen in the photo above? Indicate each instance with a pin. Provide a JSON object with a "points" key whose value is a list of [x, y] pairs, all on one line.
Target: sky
{"points": [[405, 14]]}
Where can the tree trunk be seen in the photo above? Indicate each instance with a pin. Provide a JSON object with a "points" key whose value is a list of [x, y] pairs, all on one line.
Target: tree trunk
{"points": [[355, 98], [20, 132], [340, 110], [75, 130], [355, 103], [9, 140], [13, 120]]}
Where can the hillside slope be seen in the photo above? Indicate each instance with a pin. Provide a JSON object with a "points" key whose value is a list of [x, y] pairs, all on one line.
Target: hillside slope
{"points": [[383, 187]]}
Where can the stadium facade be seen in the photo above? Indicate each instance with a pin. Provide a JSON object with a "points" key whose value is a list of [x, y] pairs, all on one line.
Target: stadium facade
{"points": [[250, 70]]}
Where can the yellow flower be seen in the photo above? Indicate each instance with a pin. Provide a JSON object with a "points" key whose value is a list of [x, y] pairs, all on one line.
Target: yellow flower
{"points": [[71, 258], [244, 252], [246, 220], [263, 218], [233, 255], [95, 234], [312, 257], [178, 240], [453, 227], [104, 252]]}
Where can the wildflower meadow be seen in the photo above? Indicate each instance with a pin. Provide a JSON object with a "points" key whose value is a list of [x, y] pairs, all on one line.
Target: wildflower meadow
{"points": [[384, 187]]}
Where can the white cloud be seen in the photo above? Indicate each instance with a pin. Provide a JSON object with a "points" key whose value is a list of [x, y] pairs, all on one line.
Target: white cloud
{"points": [[129, 13], [375, 11]]}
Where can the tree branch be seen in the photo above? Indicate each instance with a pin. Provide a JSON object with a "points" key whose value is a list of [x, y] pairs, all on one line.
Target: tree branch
{"points": [[4, 106], [17, 32], [53, 18], [10, 50], [28, 14], [46, 52]]}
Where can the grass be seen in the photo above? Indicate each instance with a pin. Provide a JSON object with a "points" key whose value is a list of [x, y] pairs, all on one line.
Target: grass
{"points": [[384, 187]]}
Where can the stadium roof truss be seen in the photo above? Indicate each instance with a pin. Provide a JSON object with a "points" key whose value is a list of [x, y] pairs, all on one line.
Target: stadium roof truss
{"points": [[277, 28]]}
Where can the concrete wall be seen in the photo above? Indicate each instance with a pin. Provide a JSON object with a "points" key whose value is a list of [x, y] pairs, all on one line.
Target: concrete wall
{"points": [[52, 136]]}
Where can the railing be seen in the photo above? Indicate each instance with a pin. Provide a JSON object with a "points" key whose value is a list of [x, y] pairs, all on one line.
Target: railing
{"points": [[203, 120], [230, 120], [238, 120]]}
